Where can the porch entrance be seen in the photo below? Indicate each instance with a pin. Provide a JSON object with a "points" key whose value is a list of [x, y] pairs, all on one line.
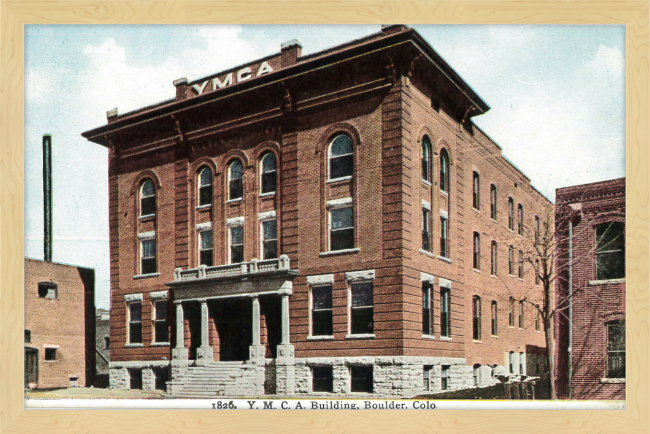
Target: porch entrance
{"points": [[233, 321]]}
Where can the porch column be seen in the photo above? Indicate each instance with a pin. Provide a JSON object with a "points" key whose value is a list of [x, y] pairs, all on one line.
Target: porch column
{"points": [[256, 321], [285, 292], [204, 353], [285, 362], [257, 351], [180, 353]]}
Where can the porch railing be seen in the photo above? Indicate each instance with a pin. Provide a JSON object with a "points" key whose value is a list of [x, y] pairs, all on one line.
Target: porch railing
{"points": [[254, 266]]}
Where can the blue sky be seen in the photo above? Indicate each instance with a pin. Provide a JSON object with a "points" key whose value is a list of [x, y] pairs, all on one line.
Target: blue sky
{"points": [[557, 97]]}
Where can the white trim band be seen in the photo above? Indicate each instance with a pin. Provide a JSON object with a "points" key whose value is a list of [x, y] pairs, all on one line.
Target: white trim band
{"points": [[235, 221], [355, 276], [159, 295], [338, 203], [132, 297], [147, 235], [269, 215], [321, 279], [204, 226]]}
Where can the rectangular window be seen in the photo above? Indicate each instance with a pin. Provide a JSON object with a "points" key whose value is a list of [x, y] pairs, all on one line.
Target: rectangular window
{"points": [[495, 319], [444, 237], [148, 255], [493, 202], [361, 377], [48, 290], [28, 336], [50, 354], [362, 309], [512, 362], [236, 244], [161, 327], [135, 323], [511, 260], [476, 374], [476, 316], [522, 364], [321, 311], [444, 377], [445, 328], [135, 379], [476, 190], [537, 272], [426, 246], [537, 229], [341, 229], [521, 264], [427, 326], [511, 214], [616, 349], [610, 251], [426, 377], [107, 342], [270, 234], [322, 379], [205, 248], [493, 257], [477, 251], [520, 225], [511, 316], [521, 314], [538, 320]]}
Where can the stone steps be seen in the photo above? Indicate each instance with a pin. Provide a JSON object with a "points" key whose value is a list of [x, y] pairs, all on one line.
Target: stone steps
{"points": [[207, 381]]}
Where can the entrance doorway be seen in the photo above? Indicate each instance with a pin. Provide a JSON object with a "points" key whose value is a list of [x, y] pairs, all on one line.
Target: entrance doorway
{"points": [[233, 318], [31, 366]]}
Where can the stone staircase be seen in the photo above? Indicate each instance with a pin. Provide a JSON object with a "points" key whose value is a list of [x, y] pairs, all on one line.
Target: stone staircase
{"points": [[215, 379]]}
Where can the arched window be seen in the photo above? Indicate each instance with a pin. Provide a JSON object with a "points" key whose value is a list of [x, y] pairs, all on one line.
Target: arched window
{"points": [[269, 173], [477, 251], [444, 171], [147, 198], [476, 369], [476, 316], [493, 257], [476, 190], [426, 159], [493, 202], [511, 214], [495, 318], [205, 186], [341, 157], [236, 180]]}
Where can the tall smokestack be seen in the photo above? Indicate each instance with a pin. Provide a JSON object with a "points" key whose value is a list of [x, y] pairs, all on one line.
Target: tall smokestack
{"points": [[47, 196]]}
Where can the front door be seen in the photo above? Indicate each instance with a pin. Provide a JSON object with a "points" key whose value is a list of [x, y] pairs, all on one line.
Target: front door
{"points": [[31, 366]]}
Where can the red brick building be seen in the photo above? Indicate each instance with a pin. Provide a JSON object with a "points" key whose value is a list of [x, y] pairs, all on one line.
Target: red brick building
{"points": [[329, 223], [590, 334], [59, 325]]}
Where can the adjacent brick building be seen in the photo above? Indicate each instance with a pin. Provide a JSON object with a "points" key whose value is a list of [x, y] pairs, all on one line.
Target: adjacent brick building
{"points": [[329, 223], [590, 333], [59, 325]]}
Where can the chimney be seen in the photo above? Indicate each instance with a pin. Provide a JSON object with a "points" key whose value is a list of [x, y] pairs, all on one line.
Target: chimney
{"points": [[389, 29], [47, 196], [181, 88], [291, 51]]}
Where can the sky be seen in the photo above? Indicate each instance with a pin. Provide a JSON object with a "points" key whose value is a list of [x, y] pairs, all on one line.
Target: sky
{"points": [[556, 92]]}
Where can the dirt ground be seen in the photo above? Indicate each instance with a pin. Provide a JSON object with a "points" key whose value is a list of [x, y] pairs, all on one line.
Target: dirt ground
{"points": [[90, 393]]}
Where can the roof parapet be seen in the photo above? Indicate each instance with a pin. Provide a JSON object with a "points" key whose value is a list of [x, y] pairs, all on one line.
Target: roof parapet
{"points": [[291, 51]]}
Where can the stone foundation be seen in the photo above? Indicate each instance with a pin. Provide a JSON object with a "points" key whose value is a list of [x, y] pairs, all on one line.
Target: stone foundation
{"points": [[121, 379]]}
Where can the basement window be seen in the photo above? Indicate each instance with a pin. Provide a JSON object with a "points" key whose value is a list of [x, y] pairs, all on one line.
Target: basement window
{"points": [[322, 379], [362, 379], [48, 290], [135, 379], [50, 354], [28, 336]]}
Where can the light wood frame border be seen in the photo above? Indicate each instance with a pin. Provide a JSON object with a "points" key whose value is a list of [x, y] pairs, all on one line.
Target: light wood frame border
{"points": [[14, 14]]}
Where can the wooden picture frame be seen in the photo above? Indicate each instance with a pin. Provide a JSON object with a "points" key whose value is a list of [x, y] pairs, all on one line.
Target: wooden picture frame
{"points": [[14, 14]]}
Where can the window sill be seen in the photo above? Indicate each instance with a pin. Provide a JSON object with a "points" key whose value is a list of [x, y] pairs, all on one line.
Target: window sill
{"points": [[147, 217], [476, 270], [234, 200], [428, 337], [320, 338], [429, 254], [269, 194], [445, 338], [427, 183], [478, 211], [521, 279], [612, 381], [444, 193], [339, 252], [477, 341], [494, 336], [606, 282], [364, 336], [201, 207], [494, 276], [494, 221], [145, 276], [442, 258], [159, 344], [133, 345], [51, 361], [335, 180]]}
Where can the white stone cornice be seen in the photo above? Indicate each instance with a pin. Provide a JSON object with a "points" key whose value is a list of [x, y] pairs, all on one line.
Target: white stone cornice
{"points": [[132, 297], [357, 276]]}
